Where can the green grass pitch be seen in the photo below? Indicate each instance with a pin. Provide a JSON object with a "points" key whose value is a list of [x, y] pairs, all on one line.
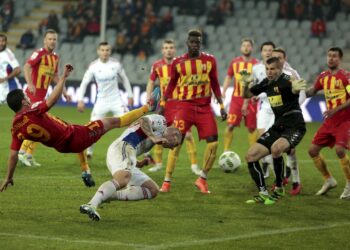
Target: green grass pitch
{"points": [[41, 211]]}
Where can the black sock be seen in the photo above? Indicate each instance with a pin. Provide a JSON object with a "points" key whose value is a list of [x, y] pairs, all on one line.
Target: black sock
{"points": [[278, 166], [257, 175], [288, 171]]}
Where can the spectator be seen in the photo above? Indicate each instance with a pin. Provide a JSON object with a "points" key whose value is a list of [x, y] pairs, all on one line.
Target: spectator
{"points": [[50, 22], [299, 10], [214, 16], [6, 15], [27, 40], [93, 27], [121, 44], [227, 7], [318, 28]]}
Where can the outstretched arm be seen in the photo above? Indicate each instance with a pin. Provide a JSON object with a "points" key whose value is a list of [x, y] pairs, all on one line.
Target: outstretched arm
{"points": [[12, 163]]}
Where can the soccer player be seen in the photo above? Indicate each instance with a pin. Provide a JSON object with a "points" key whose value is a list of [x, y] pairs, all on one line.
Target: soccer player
{"points": [[239, 107], [193, 77], [292, 167], [32, 122], [9, 69], [161, 70], [105, 71], [335, 130], [128, 182], [265, 117], [286, 132]]}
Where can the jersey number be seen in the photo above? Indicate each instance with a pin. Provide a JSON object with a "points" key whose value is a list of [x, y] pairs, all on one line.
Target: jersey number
{"points": [[180, 124], [39, 132]]}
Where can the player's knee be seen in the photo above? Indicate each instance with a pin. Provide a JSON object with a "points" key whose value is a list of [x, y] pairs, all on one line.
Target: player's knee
{"points": [[313, 151], [122, 177], [230, 127], [276, 151], [251, 155], [340, 151], [154, 192], [251, 130]]}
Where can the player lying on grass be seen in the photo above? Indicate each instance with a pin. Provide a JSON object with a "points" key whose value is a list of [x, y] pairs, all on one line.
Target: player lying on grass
{"points": [[32, 122], [128, 181]]}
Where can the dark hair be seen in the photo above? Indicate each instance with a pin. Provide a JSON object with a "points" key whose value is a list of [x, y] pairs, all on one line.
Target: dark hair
{"points": [[14, 99], [3, 36], [103, 44], [251, 41], [49, 31], [273, 60], [194, 32], [268, 43], [336, 49], [280, 50]]}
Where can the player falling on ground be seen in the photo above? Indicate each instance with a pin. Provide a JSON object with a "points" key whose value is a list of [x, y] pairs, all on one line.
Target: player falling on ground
{"points": [[161, 70], [194, 78], [128, 182], [105, 71], [240, 107], [32, 122], [9, 69], [286, 132], [335, 129]]}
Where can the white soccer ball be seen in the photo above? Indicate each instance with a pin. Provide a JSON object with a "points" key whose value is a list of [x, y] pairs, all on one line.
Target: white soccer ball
{"points": [[229, 162]]}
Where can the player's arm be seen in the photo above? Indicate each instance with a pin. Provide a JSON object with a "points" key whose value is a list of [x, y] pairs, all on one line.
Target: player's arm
{"points": [[127, 87], [214, 83], [226, 84], [146, 126], [12, 163], [88, 76], [174, 77], [15, 72], [27, 70], [311, 92], [149, 88], [57, 91]]}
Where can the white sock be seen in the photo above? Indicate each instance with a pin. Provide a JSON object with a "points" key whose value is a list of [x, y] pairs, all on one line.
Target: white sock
{"points": [[292, 163], [104, 192], [203, 175], [194, 166], [22, 152], [159, 165], [132, 193]]}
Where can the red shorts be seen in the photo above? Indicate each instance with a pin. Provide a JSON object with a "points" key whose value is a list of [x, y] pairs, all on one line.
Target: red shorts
{"points": [[330, 134], [235, 113], [201, 116], [170, 110], [83, 137]]}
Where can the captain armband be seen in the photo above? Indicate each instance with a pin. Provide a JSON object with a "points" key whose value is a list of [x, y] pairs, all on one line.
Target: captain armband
{"points": [[348, 89]]}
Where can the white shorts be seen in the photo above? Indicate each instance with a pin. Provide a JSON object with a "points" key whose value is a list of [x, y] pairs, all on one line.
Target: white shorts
{"points": [[264, 119], [102, 107], [122, 156]]}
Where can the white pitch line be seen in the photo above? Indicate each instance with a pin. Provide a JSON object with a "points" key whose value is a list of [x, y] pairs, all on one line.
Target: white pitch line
{"points": [[181, 244]]}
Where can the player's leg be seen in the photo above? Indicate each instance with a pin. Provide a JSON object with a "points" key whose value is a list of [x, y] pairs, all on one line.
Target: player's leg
{"points": [[192, 152], [85, 169], [22, 156], [250, 123], [158, 158], [292, 169], [173, 155], [233, 120]]}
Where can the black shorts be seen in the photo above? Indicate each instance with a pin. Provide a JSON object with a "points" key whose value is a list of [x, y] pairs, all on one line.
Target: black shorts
{"points": [[291, 128]]}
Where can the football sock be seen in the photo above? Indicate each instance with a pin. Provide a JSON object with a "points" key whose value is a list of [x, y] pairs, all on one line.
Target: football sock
{"points": [[209, 156], [132, 116], [228, 137], [104, 192], [172, 158], [24, 146], [321, 166], [31, 146], [293, 165], [203, 175], [83, 161], [278, 165], [90, 150], [132, 193], [191, 150], [157, 153], [345, 165], [252, 137], [257, 175]]}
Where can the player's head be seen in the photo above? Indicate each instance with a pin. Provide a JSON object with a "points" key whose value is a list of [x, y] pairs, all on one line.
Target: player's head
{"points": [[16, 99], [194, 41], [280, 53], [3, 42], [174, 137], [273, 68], [50, 39], [334, 57], [168, 49], [266, 49], [247, 46], [104, 51]]}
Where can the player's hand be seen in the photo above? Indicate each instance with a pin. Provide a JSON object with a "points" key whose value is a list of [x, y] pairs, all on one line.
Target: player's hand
{"points": [[81, 106], [246, 78], [68, 68], [5, 184], [298, 85], [67, 97], [158, 140], [31, 88], [223, 114], [131, 102], [329, 113], [2, 80]]}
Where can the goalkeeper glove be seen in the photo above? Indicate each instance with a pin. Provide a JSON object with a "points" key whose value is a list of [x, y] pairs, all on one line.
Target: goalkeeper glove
{"points": [[246, 78], [298, 85]]}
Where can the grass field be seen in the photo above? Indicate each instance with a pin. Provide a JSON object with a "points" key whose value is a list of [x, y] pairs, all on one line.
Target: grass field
{"points": [[41, 211]]}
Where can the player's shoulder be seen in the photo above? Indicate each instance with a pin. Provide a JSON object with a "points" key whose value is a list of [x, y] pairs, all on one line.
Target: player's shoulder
{"points": [[93, 63], [324, 74], [208, 55], [285, 77], [255, 61], [158, 63], [236, 59], [114, 60]]}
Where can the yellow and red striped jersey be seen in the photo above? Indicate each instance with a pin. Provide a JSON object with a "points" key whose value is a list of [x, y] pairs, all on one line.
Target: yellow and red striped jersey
{"points": [[161, 70], [236, 66], [193, 79], [44, 68], [336, 89]]}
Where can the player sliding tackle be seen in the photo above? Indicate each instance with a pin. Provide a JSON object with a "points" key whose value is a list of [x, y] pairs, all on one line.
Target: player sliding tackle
{"points": [[129, 182], [32, 122]]}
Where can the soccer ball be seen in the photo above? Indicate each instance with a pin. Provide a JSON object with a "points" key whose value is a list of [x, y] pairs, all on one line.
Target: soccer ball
{"points": [[229, 162]]}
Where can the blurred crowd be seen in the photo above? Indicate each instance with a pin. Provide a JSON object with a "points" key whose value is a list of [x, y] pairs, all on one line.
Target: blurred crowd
{"points": [[6, 13]]}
